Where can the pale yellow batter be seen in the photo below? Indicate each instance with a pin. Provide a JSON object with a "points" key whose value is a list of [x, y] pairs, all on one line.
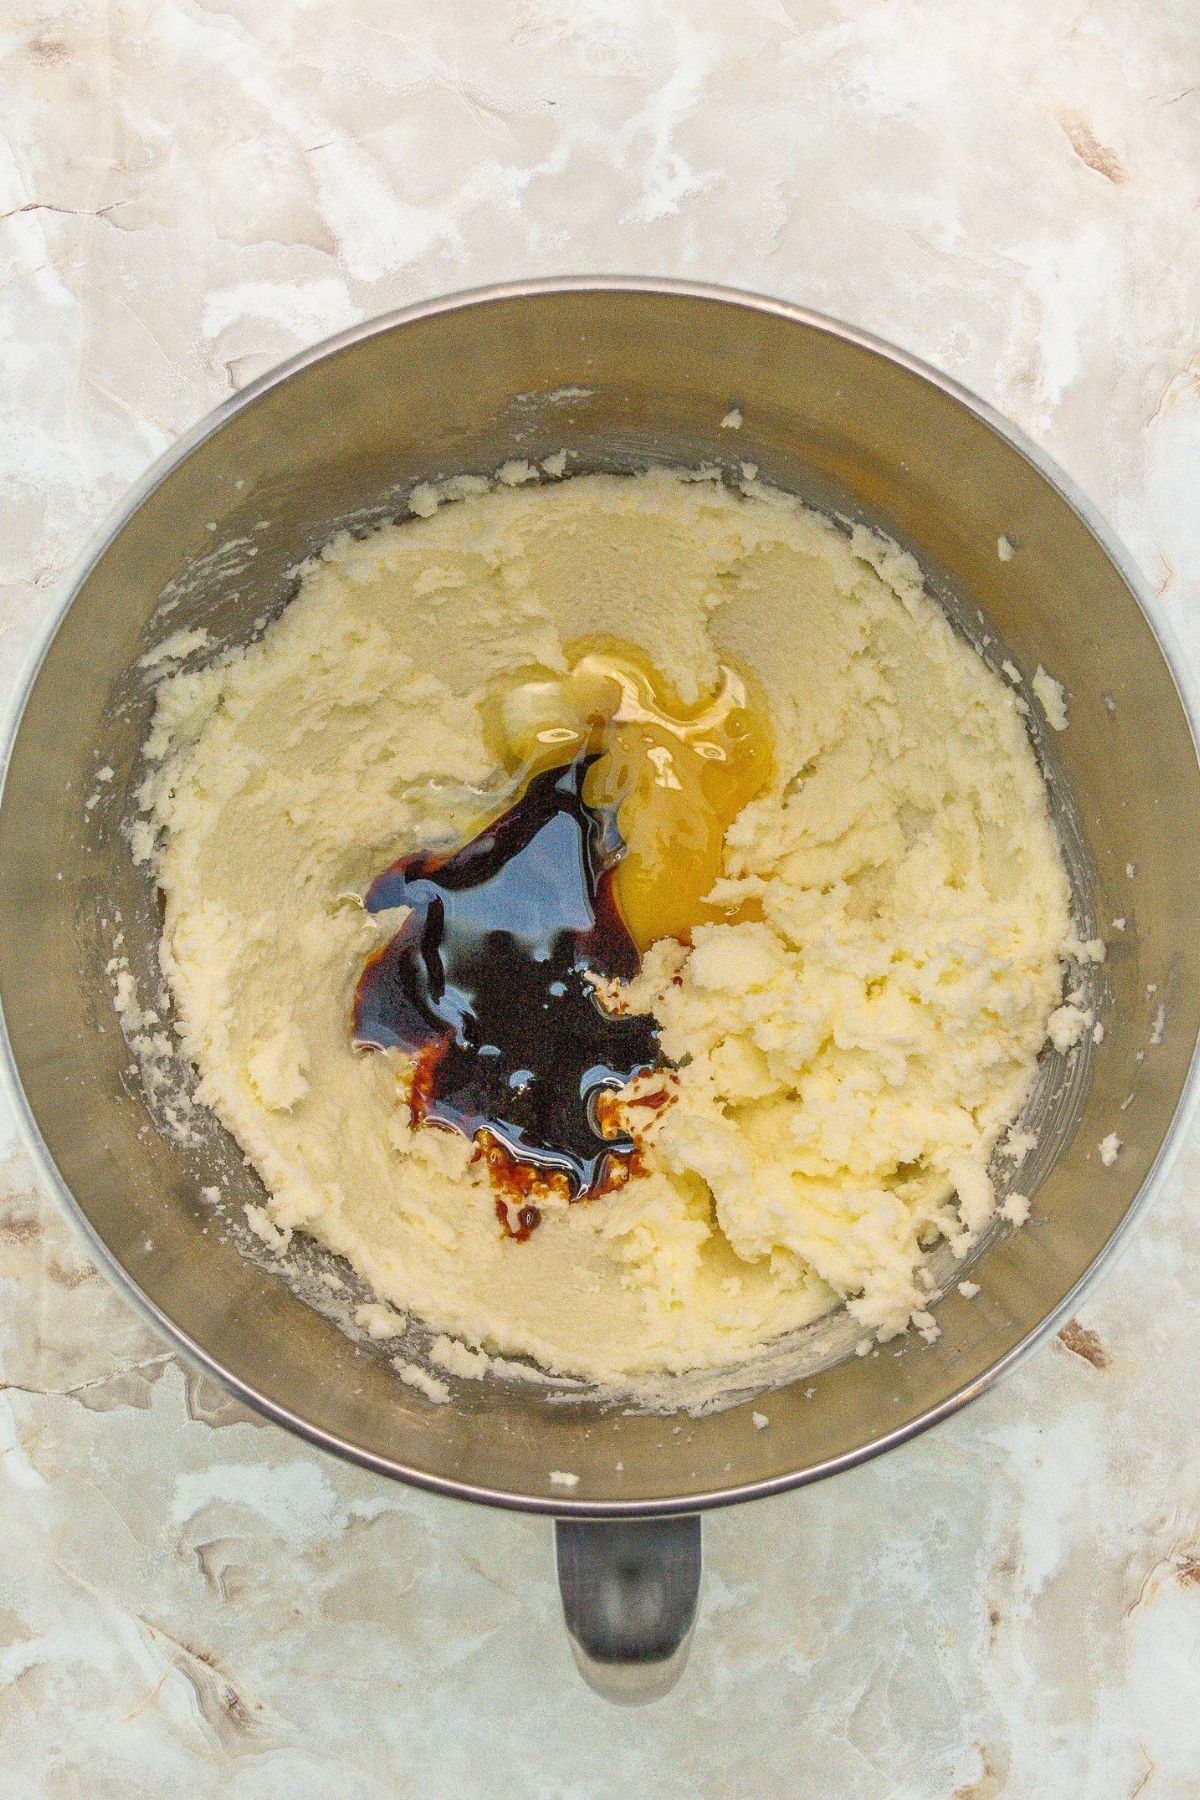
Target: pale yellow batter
{"points": [[847, 1062]]}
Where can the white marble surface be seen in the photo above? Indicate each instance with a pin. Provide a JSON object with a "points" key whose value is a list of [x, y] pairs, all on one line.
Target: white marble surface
{"points": [[194, 1604]]}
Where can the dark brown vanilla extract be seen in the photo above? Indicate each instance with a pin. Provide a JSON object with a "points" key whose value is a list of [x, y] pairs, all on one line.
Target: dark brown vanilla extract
{"points": [[614, 841], [487, 983]]}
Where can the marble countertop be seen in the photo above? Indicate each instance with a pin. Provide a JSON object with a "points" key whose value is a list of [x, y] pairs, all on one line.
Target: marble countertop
{"points": [[194, 1603]]}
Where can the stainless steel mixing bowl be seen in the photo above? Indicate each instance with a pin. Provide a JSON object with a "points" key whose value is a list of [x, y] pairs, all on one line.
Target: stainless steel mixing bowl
{"points": [[622, 373]]}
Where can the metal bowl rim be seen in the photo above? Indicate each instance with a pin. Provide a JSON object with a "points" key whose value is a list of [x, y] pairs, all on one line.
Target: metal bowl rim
{"points": [[169, 460]]}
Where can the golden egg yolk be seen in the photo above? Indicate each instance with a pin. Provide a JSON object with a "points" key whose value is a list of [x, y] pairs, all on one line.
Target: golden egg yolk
{"points": [[677, 773]]}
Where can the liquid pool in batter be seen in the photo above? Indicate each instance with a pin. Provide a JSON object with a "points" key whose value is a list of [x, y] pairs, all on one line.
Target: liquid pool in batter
{"points": [[495, 982]]}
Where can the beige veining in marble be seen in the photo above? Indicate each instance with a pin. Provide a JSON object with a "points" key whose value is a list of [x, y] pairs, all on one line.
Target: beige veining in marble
{"points": [[194, 1604]]}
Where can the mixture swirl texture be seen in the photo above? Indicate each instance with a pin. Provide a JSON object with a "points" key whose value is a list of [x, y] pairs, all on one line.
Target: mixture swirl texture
{"points": [[819, 818]]}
